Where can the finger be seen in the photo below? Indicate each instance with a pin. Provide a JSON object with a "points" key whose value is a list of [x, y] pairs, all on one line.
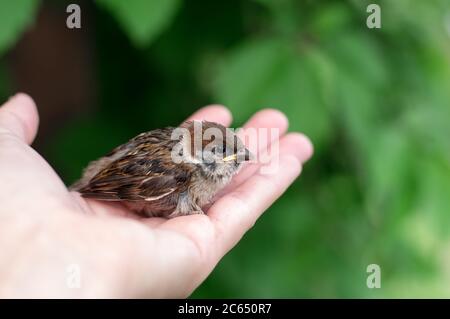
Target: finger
{"points": [[213, 113], [237, 211], [19, 116], [265, 119]]}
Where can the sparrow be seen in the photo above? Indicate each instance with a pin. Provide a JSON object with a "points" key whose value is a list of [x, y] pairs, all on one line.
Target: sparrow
{"points": [[168, 172]]}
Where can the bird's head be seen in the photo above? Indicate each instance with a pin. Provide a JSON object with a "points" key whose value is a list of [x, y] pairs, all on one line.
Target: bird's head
{"points": [[216, 150]]}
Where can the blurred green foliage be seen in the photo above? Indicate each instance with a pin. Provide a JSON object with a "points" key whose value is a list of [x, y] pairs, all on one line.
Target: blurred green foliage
{"points": [[375, 102]]}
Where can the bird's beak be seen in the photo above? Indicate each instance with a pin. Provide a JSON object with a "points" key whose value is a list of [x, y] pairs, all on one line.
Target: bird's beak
{"points": [[248, 156], [230, 158]]}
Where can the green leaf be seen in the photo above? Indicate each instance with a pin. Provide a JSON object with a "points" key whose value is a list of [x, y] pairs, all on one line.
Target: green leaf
{"points": [[15, 17], [143, 20], [271, 73], [358, 55], [331, 20], [360, 74], [434, 202], [391, 177]]}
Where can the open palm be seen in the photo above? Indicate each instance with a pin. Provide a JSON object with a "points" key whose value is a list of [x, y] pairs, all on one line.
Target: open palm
{"points": [[48, 234]]}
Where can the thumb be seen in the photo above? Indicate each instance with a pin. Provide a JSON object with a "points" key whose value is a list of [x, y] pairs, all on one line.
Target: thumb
{"points": [[19, 116]]}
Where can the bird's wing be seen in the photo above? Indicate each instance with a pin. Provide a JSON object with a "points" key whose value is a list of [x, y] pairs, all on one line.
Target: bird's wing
{"points": [[136, 178]]}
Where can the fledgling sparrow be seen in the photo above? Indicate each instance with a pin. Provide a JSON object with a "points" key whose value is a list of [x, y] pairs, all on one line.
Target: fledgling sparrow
{"points": [[166, 172]]}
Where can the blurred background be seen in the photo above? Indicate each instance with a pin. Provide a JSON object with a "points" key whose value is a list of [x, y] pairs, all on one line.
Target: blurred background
{"points": [[375, 102]]}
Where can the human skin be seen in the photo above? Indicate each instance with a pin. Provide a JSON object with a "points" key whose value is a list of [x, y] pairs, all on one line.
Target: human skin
{"points": [[45, 230]]}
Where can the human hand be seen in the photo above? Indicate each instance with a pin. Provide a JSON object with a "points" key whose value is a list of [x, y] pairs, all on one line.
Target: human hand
{"points": [[46, 231]]}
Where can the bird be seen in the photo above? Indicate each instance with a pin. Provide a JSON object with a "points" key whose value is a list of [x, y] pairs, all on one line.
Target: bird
{"points": [[167, 172]]}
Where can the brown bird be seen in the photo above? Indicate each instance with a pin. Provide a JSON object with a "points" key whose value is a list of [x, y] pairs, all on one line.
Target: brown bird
{"points": [[166, 172]]}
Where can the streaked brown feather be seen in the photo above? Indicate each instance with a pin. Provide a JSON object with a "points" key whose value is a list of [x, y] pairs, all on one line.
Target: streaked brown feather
{"points": [[141, 174]]}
